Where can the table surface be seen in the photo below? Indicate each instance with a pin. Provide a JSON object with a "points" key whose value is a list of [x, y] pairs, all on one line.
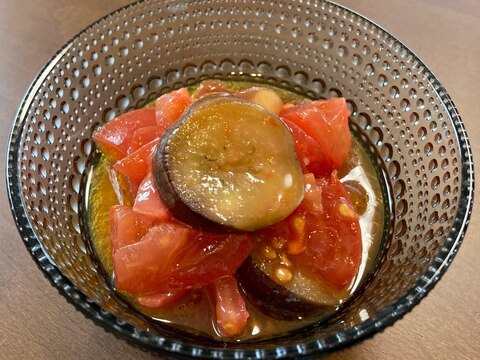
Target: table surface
{"points": [[37, 323]]}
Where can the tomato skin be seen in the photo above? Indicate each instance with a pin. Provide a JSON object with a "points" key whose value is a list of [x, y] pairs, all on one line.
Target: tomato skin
{"points": [[148, 201], [115, 137], [326, 121], [333, 244], [127, 226], [231, 314], [137, 165], [125, 134], [169, 107]]}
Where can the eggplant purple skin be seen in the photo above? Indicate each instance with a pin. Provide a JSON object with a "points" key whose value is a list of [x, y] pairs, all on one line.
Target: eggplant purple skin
{"points": [[169, 195], [272, 298]]}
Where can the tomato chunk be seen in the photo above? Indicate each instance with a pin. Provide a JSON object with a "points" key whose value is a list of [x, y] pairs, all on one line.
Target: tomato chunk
{"points": [[115, 137], [127, 226], [169, 107], [323, 234], [210, 256], [142, 266], [333, 244], [145, 135], [172, 256], [209, 87], [312, 199], [148, 201], [136, 165], [326, 121], [310, 154], [161, 299], [231, 314]]}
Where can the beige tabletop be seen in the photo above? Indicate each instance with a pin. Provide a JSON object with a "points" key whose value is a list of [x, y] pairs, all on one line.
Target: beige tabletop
{"points": [[37, 323]]}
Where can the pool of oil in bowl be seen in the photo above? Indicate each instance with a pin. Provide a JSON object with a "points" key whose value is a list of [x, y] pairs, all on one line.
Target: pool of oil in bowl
{"points": [[193, 313]]}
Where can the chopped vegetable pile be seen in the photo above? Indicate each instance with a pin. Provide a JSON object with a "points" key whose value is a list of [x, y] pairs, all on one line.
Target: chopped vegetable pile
{"points": [[223, 195]]}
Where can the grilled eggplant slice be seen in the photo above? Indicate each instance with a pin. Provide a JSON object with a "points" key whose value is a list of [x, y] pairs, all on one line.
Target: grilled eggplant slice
{"points": [[228, 163], [284, 291]]}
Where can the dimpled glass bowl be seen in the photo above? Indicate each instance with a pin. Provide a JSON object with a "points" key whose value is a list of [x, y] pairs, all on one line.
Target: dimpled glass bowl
{"points": [[320, 49]]}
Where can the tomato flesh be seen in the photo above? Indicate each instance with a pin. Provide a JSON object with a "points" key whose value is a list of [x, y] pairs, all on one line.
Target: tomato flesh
{"points": [[115, 137], [312, 200], [323, 234], [209, 87], [136, 165], [172, 256], [231, 314], [333, 243], [161, 299], [326, 122], [210, 256], [148, 201], [127, 226], [310, 154], [169, 107], [145, 135], [141, 266]]}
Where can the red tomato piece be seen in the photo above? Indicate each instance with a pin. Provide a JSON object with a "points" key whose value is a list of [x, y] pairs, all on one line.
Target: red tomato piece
{"points": [[142, 266], [210, 256], [145, 135], [323, 234], [209, 87], [148, 201], [326, 121], [172, 256], [127, 226], [136, 165], [169, 107], [231, 314], [333, 243], [161, 299], [309, 153], [280, 231], [115, 137], [312, 198]]}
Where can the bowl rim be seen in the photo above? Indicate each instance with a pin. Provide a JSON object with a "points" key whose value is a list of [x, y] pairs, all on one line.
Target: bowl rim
{"points": [[165, 346]]}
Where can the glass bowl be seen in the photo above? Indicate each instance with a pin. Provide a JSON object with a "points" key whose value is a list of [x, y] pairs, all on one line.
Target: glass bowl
{"points": [[317, 48]]}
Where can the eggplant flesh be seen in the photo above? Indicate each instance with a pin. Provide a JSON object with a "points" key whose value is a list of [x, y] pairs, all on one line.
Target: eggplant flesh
{"points": [[226, 164], [300, 298]]}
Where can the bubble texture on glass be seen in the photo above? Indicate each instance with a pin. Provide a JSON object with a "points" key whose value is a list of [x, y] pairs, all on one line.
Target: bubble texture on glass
{"points": [[322, 50]]}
